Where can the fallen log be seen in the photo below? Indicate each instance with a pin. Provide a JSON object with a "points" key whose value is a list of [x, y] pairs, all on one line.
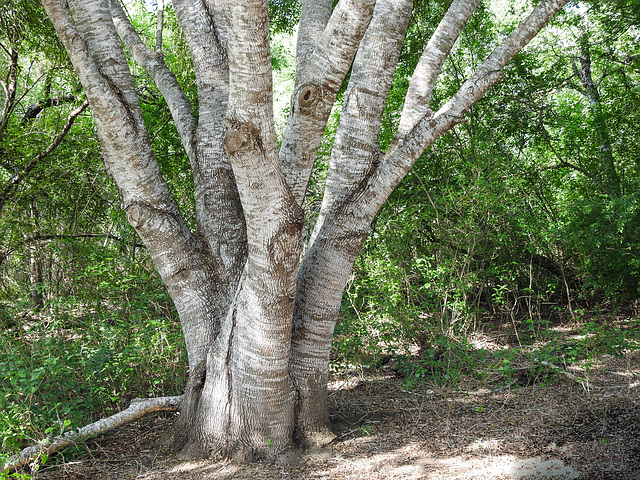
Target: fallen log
{"points": [[138, 408]]}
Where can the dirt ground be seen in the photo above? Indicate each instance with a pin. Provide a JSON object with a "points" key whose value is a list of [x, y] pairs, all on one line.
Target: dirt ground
{"points": [[563, 429]]}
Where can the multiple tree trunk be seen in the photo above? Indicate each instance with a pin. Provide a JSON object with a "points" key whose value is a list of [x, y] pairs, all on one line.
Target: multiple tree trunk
{"points": [[258, 314]]}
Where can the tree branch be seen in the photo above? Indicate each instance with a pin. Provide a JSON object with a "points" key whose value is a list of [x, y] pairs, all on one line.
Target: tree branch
{"points": [[33, 110], [160, 26], [406, 149], [154, 65], [490, 71], [10, 87], [218, 210], [314, 15], [138, 408], [249, 139], [37, 238], [18, 177], [179, 256], [436, 52], [317, 85], [356, 149], [430, 127], [562, 162]]}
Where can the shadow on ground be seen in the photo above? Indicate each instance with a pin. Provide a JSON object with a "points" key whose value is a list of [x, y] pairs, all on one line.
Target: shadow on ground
{"points": [[562, 430]]}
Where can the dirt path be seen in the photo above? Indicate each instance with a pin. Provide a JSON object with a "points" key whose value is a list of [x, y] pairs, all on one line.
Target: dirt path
{"points": [[562, 430]]}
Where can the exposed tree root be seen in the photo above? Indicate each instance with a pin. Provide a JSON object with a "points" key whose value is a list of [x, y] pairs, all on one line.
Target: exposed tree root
{"points": [[139, 407]]}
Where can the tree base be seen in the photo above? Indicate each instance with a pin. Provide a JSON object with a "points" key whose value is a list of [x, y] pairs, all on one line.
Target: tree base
{"points": [[315, 439]]}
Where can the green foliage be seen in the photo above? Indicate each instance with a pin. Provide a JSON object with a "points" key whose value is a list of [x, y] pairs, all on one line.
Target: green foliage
{"points": [[523, 215], [85, 326], [514, 211], [442, 362], [23, 23], [283, 15], [85, 357], [14, 476]]}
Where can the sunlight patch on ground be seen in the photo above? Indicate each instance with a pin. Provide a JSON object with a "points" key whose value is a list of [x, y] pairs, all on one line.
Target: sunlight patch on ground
{"points": [[485, 342], [410, 463], [202, 467], [507, 467], [484, 445]]}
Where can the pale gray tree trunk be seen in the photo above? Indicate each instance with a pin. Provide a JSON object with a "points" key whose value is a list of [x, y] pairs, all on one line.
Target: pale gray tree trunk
{"points": [[339, 235], [256, 313], [605, 166], [159, 25]]}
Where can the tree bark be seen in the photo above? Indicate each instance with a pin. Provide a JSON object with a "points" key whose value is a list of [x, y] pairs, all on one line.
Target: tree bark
{"points": [[339, 235], [359, 181], [160, 25], [322, 71]]}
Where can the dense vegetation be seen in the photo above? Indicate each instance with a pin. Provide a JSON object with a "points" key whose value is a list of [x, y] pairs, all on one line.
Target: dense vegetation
{"points": [[527, 215]]}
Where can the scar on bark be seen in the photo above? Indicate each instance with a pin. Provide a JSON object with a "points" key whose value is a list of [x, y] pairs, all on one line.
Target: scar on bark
{"points": [[285, 245], [362, 186], [350, 243], [142, 215], [119, 94], [241, 137]]}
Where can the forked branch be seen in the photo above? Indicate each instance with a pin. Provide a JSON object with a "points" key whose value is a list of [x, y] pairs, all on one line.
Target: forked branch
{"points": [[165, 80]]}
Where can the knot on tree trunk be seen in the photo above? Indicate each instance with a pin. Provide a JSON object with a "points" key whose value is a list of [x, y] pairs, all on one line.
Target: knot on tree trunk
{"points": [[309, 96], [285, 247]]}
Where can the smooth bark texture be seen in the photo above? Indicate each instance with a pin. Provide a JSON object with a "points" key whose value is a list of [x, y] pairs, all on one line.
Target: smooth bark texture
{"points": [[257, 314], [318, 80], [338, 235]]}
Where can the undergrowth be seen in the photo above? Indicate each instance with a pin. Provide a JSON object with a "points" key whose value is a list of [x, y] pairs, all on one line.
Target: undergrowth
{"points": [[78, 360], [73, 363], [536, 352]]}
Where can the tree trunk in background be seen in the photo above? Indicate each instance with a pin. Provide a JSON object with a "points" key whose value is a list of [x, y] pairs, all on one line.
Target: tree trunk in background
{"points": [[36, 278], [258, 316], [605, 167]]}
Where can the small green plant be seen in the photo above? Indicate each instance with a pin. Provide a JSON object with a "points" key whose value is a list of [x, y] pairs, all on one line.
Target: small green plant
{"points": [[13, 476], [505, 365], [443, 362], [366, 429], [537, 328]]}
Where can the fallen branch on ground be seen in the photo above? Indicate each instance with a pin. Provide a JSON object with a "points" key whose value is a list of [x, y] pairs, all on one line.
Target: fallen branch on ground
{"points": [[582, 381], [138, 408]]}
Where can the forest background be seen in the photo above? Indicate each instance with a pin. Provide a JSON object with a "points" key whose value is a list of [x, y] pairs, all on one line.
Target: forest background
{"points": [[525, 217]]}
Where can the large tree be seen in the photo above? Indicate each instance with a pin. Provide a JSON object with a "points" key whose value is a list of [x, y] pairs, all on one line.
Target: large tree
{"points": [[257, 306]]}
